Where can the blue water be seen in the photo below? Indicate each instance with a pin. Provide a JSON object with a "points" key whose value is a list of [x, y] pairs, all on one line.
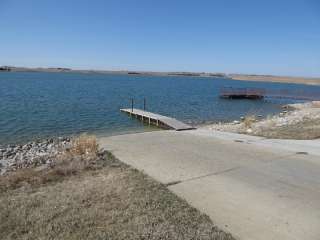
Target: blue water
{"points": [[38, 105]]}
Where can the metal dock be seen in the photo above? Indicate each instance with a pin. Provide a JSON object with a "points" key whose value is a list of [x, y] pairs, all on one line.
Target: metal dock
{"points": [[258, 93], [242, 93], [157, 119]]}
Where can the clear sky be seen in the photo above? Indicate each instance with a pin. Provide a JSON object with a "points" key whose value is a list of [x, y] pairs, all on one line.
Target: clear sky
{"points": [[234, 36]]}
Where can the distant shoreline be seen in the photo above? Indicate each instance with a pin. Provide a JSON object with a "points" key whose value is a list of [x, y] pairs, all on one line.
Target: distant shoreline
{"points": [[279, 79], [239, 77]]}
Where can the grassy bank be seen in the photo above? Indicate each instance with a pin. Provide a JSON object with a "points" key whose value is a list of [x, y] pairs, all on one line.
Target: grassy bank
{"points": [[89, 194]]}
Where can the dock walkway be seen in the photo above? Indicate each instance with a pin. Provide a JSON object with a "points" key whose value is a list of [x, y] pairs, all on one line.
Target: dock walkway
{"points": [[157, 119]]}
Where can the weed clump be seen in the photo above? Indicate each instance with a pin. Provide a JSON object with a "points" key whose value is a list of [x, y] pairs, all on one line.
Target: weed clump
{"points": [[249, 120], [83, 154]]}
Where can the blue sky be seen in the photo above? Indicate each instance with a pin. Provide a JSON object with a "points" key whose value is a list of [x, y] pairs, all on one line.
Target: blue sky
{"points": [[234, 36]]}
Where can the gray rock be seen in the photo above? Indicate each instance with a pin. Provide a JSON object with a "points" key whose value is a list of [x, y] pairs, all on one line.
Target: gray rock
{"points": [[32, 154]]}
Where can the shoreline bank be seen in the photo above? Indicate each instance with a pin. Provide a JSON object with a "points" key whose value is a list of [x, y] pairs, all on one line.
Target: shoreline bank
{"points": [[297, 121], [233, 76], [276, 79], [32, 154]]}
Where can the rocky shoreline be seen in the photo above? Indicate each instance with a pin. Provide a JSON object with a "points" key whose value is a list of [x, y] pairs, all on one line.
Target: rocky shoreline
{"points": [[32, 154], [296, 121]]}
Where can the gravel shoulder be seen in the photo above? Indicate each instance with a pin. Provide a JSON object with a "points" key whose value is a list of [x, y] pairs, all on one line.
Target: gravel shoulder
{"points": [[301, 122]]}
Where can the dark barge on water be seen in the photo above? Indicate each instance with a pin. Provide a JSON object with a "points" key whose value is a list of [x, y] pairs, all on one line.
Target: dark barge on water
{"points": [[242, 93], [258, 93]]}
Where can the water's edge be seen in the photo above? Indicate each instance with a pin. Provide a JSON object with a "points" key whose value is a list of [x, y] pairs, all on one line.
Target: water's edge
{"points": [[44, 105]]}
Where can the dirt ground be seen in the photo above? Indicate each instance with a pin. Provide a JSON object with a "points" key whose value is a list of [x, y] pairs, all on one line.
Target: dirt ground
{"points": [[112, 201]]}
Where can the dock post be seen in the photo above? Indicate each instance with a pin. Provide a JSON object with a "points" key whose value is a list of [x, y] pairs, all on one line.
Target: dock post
{"points": [[131, 104], [144, 104]]}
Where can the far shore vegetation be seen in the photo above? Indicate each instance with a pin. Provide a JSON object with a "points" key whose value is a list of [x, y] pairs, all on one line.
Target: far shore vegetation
{"points": [[234, 76]]}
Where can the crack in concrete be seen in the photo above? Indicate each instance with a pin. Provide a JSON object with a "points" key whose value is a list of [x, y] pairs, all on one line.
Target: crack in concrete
{"points": [[223, 171], [202, 176]]}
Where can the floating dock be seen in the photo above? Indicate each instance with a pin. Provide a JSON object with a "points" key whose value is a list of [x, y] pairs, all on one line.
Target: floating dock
{"points": [[242, 93], [157, 119], [258, 93]]}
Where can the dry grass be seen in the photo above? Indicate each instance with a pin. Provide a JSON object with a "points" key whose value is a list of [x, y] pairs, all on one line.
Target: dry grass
{"points": [[302, 123], [88, 197], [63, 168], [249, 120], [84, 145], [308, 129], [316, 104], [83, 155]]}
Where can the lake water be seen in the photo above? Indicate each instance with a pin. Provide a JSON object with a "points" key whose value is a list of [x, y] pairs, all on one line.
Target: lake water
{"points": [[38, 105]]}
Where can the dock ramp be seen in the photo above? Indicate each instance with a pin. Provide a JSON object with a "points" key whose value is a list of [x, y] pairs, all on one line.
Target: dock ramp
{"points": [[157, 119]]}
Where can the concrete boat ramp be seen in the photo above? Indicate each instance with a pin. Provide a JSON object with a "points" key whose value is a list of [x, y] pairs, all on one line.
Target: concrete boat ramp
{"points": [[254, 188], [157, 119]]}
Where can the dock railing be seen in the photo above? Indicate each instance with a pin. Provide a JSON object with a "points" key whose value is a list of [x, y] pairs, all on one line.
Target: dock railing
{"points": [[144, 104], [156, 119]]}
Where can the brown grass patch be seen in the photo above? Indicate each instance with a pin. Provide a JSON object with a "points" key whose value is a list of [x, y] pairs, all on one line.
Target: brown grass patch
{"points": [[84, 145], [112, 202], [316, 104], [249, 120], [83, 155], [307, 129]]}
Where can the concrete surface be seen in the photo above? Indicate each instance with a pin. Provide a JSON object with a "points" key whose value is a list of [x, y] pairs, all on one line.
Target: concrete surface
{"points": [[249, 186], [310, 146]]}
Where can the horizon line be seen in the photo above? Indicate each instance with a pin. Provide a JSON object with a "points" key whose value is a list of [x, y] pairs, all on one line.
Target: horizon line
{"points": [[153, 71]]}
